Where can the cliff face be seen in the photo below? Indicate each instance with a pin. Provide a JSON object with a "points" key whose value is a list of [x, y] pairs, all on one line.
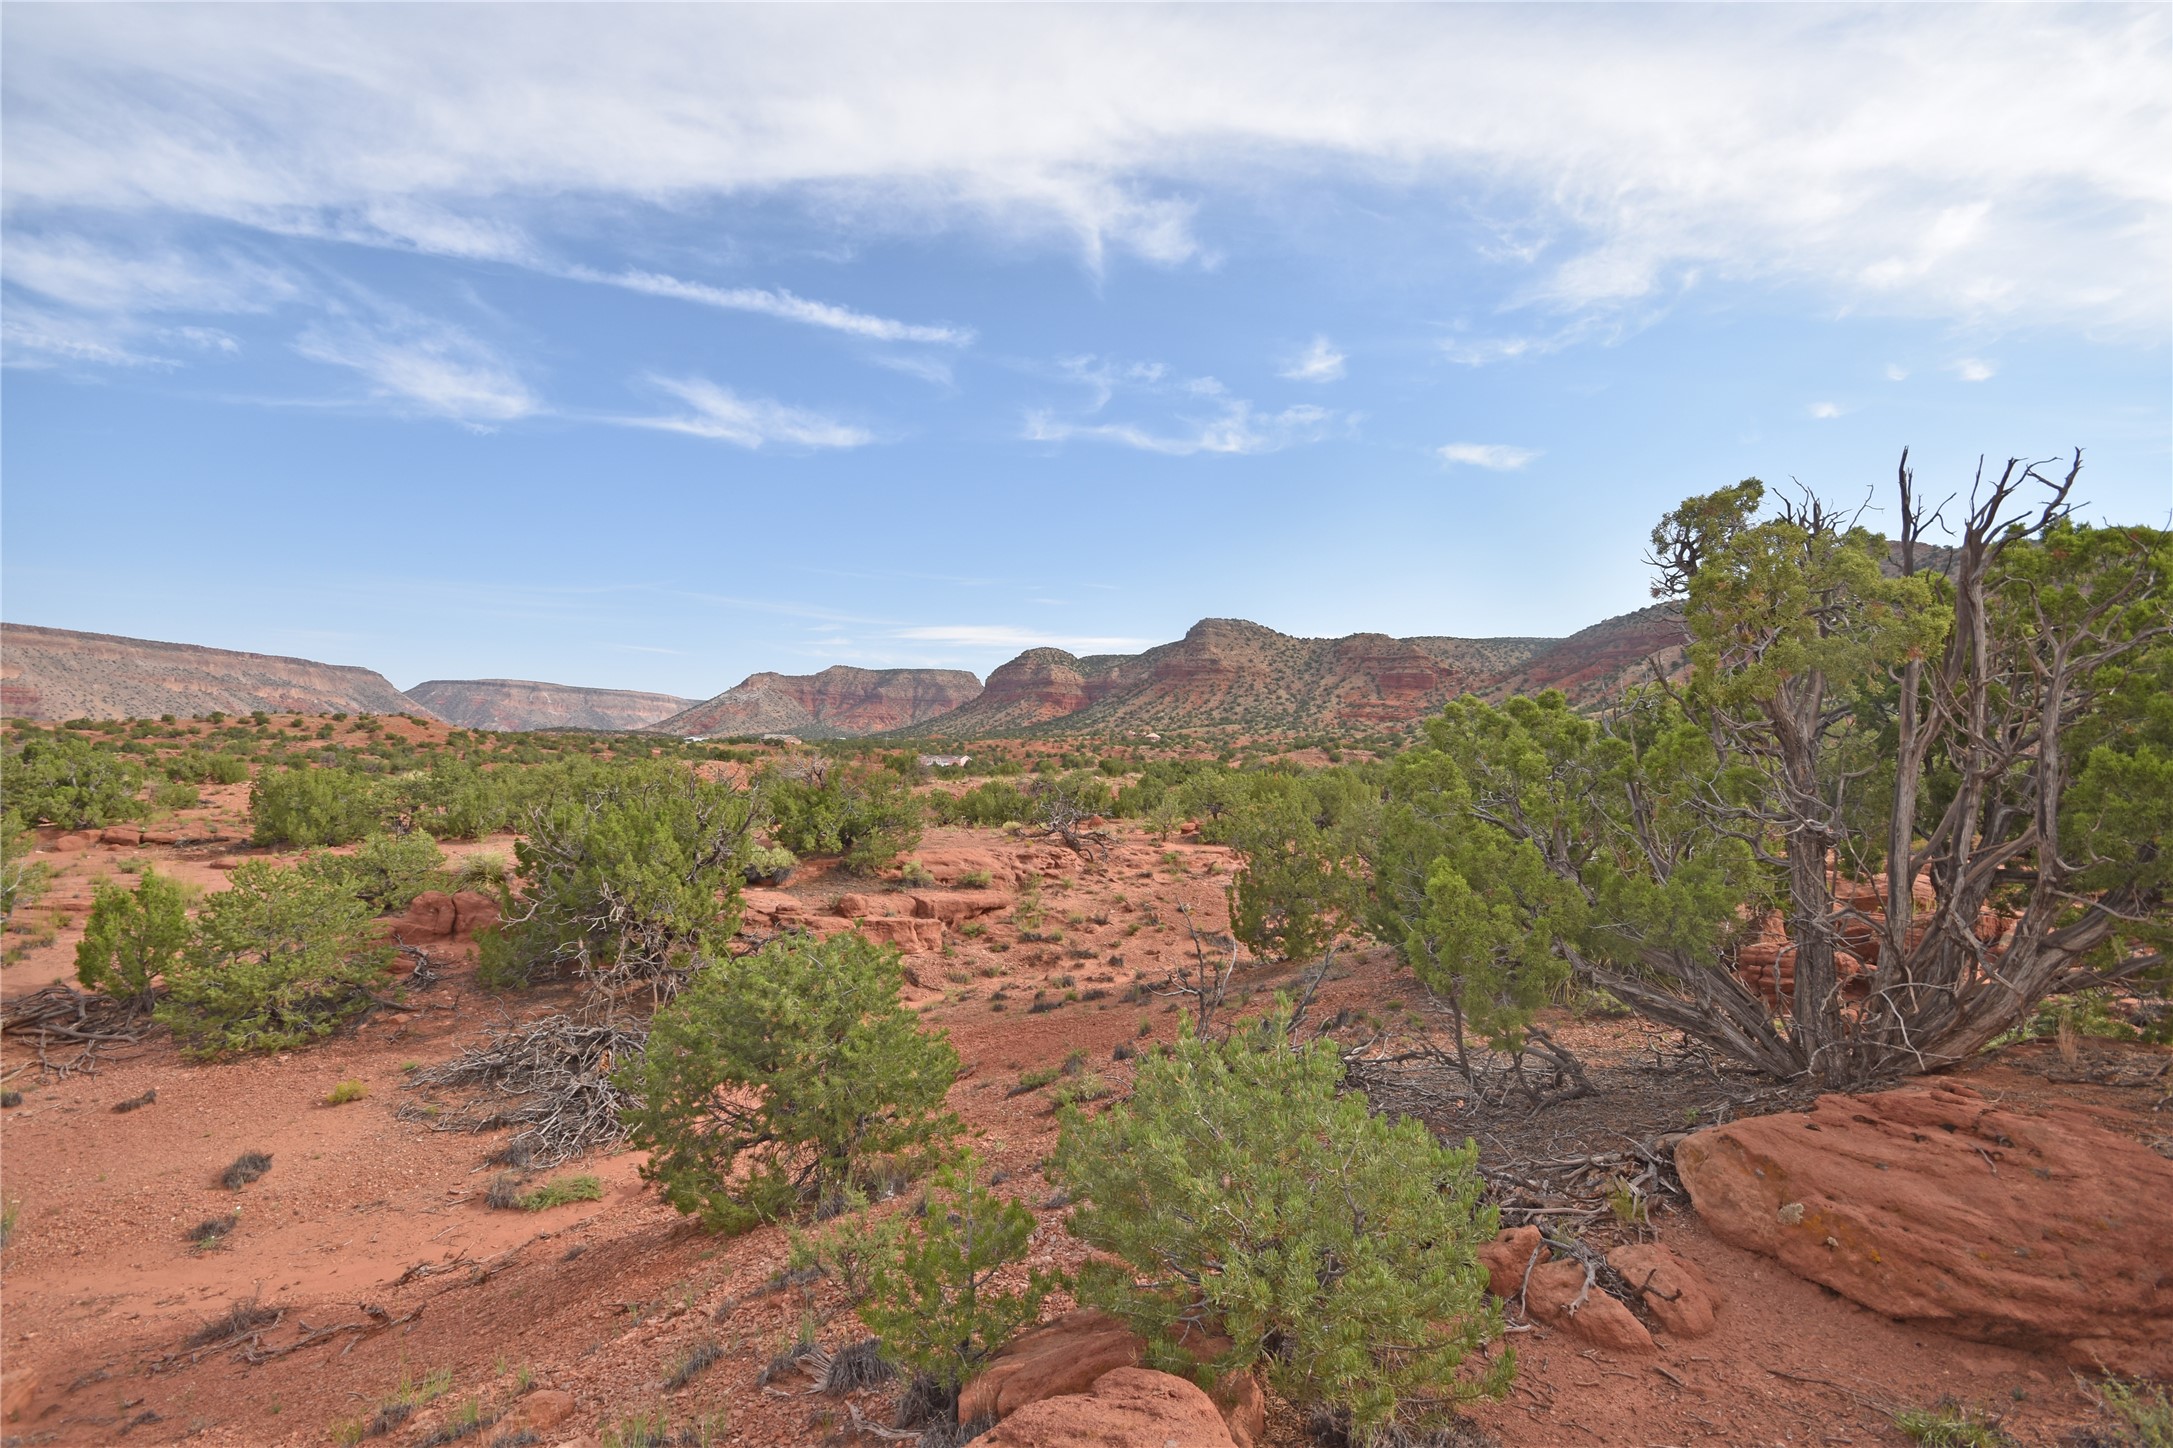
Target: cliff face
{"points": [[1601, 661], [57, 673], [520, 704], [1231, 672], [841, 701]]}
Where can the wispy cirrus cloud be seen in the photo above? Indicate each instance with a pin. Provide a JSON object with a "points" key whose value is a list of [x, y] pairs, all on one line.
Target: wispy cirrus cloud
{"points": [[1238, 429], [1321, 361], [1494, 456], [723, 415], [420, 362], [1975, 369], [784, 305]]}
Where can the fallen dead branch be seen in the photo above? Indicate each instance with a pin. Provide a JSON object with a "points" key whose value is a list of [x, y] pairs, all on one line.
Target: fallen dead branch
{"points": [[57, 1019], [550, 1078]]}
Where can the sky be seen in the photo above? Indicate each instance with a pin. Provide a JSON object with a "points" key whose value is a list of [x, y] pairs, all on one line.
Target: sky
{"points": [[649, 347]]}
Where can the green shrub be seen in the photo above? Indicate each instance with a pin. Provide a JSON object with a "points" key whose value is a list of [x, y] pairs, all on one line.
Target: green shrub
{"points": [[302, 808], [932, 1297], [347, 1091], [869, 816], [488, 872], [561, 1192], [173, 794], [386, 872], [23, 880], [133, 937], [632, 871], [278, 959], [1239, 1187], [196, 766], [777, 1079], [70, 781], [769, 864], [987, 805]]}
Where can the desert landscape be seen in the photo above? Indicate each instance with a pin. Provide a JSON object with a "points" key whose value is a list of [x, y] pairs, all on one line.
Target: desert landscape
{"points": [[1086, 726]]}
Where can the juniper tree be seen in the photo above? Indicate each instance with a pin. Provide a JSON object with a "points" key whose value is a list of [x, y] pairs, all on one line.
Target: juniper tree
{"points": [[772, 1081], [1240, 1190], [1995, 727], [133, 937]]}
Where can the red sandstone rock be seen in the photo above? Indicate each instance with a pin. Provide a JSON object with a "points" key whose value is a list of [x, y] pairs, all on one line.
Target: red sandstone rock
{"points": [[120, 835], [1128, 1408], [17, 1391], [1600, 1319], [864, 907], [909, 935], [429, 916], [952, 906], [1506, 1258], [1674, 1291], [1063, 1356], [539, 1412], [473, 911], [75, 840], [2040, 1231]]}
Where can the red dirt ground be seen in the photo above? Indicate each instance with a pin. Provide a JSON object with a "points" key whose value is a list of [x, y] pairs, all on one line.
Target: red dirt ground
{"points": [[363, 1211]]}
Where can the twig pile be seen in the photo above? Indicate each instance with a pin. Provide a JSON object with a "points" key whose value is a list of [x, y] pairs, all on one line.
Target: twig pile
{"points": [[551, 1078], [1627, 1183], [61, 1018]]}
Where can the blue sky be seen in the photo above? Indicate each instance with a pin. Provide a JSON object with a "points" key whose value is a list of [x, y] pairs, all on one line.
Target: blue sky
{"points": [[649, 347]]}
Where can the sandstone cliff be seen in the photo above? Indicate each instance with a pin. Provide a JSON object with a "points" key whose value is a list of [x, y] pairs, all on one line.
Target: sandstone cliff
{"points": [[841, 701], [57, 673], [520, 704]]}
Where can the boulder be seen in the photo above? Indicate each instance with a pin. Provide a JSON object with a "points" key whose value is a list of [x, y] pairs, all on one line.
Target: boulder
{"points": [[952, 906], [473, 911], [1506, 1258], [539, 1412], [1600, 1319], [862, 907], [1128, 1408], [2037, 1230], [75, 840], [1063, 1356], [1244, 1407], [120, 835], [1674, 1291], [948, 867], [909, 935]]}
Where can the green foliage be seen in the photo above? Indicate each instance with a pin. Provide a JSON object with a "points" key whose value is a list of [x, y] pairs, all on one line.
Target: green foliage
{"points": [[1240, 1187], [562, 1191], [2142, 1408], [345, 1092], [70, 781], [23, 880], [386, 872], [932, 1298], [1299, 836], [630, 871], [133, 937], [868, 815], [769, 863], [995, 802], [196, 766], [1950, 1425], [776, 1079], [277, 960], [303, 808], [173, 794]]}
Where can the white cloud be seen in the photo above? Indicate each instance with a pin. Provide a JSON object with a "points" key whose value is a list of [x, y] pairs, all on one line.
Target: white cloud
{"points": [[1974, 369], [1499, 457], [915, 364], [1320, 362], [784, 305], [749, 422], [1874, 155], [1825, 411], [92, 276], [415, 360], [1895, 372], [1009, 636], [1238, 429]]}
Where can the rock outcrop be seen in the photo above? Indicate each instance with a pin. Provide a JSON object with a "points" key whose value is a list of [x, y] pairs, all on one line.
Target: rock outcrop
{"points": [[1227, 671], [839, 702], [1071, 1357], [2039, 1230], [1602, 661], [57, 673], [516, 705], [1126, 1408]]}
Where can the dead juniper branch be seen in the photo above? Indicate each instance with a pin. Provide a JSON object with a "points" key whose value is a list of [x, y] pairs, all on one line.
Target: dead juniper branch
{"points": [[242, 1318], [550, 1078], [58, 1018], [1058, 814], [1205, 982]]}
